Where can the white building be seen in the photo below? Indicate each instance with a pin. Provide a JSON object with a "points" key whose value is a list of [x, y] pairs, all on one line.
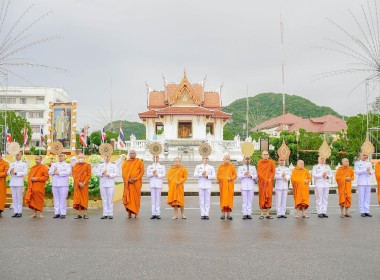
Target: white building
{"points": [[32, 103]]}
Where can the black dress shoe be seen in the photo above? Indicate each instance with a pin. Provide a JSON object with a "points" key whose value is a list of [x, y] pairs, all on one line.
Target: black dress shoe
{"points": [[15, 215], [284, 216], [229, 218], [249, 217], [222, 217], [104, 217], [110, 217], [279, 216], [56, 216], [320, 216], [363, 215], [153, 217], [368, 215], [325, 216], [62, 216], [244, 217], [207, 218], [19, 215], [202, 217], [158, 217]]}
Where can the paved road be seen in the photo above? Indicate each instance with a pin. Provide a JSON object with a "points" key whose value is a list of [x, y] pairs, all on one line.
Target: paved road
{"points": [[314, 248]]}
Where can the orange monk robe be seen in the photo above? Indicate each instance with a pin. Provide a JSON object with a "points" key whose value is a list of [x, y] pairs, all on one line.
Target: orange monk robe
{"points": [[226, 188], [300, 189], [132, 168], [4, 166], [176, 193], [377, 173], [344, 187], [265, 171], [35, 194], [81, 173]]}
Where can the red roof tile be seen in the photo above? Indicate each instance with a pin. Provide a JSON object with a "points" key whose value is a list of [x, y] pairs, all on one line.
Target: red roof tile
{"points": [[156, 99], [212, 100]]}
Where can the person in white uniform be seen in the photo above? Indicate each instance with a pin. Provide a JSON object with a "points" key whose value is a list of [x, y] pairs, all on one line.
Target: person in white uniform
{"points": [[60, 172], [155, 173], [282, 177], [247, 174], [17, 169], [322, 175], [364, 170], [205, 174], [107, 172]]}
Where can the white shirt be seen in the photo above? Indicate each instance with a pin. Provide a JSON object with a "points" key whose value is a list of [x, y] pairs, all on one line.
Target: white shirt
{"points": [[107, 182], [156, 182], [317, 175], [282, 182], [21, 169], [204, 183], [64, 170], [247, 184], [363, 178]]}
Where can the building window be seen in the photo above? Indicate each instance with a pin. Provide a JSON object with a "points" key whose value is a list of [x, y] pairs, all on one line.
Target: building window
{"points": [[8, 100], [210, 128], [40, 100], [185, 129], [35, 128], [159, 128], [36, 115], [22, 114], [23, 100]]}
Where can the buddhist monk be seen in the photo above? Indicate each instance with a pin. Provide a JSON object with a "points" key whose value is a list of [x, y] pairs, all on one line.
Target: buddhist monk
{"points": [[81, 175], [344, 176], [377, 174], [300, 182], [133, 170], [226, 176], [266, 170], [177, 175], [34, 198], [4, 166]]}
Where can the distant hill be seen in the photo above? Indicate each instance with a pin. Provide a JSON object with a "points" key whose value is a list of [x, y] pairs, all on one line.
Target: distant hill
{"points": [[138, 129], [265, 106]]}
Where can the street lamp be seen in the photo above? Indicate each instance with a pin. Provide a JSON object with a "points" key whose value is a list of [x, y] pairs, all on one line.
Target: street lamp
{"points": [[297, 139]]}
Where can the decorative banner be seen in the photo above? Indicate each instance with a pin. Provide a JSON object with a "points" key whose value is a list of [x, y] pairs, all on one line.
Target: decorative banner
{"points": [[56, 148], [105, 149], [368, 148], [247, 149], [13, 148], [283, 152], [205, 150], [324, 150], [155, 148]]}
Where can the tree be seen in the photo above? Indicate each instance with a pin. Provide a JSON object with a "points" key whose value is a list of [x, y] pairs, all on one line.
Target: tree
{"points": [[16, 126], [257, 135], [227, 135]]}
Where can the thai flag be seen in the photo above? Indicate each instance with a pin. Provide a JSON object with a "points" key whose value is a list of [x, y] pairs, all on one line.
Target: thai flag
{"points": [[121, 138], [9, 136], [42, 137], [83, 137], [26, 139], [104, 136]]}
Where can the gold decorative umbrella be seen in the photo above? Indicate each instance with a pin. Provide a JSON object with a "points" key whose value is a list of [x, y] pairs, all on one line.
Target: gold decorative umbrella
{"points": [[105, 149]]}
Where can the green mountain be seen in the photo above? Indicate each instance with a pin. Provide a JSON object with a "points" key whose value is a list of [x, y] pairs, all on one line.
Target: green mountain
{"points": [[138, 129], [265, 106]]}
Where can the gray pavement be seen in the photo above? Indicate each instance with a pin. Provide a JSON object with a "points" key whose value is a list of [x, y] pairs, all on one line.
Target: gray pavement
{"points": [[313, 248]]}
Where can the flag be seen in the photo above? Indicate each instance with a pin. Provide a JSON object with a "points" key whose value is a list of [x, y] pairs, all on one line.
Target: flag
{"points": [[104, 136], [42, 137], [121, 138], [83, 137], [9, 136], [26, 139]]}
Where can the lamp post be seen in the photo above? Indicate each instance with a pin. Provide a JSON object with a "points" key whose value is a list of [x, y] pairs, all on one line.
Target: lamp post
{"points": [[297, 139]]}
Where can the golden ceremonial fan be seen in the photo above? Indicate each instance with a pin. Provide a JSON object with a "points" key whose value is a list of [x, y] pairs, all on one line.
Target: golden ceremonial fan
{"points": [[368, 148], [283, 152], [56, 148], [155, 148], [324, 150], [105, 149], [204, 149], [247, 149], [13, 148]]}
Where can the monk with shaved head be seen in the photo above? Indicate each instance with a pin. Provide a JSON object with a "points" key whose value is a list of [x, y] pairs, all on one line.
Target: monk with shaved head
{"points": [[266, 170], [82, 176], [226, 176], [300, 182]]}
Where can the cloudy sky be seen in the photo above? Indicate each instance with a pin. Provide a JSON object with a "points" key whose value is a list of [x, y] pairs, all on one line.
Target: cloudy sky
{"points": [[114, 46]]}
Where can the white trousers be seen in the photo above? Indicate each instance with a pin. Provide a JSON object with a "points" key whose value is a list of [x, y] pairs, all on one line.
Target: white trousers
{"points": [[155, 194], [107, 199], [321, 197], [17, 197], [247, 197], [204, 201], [364, 193], [60, 200], [281, 196]]}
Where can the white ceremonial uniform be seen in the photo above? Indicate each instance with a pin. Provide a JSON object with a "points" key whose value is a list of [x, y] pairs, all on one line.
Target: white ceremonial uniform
{"points": [[247, 187], [322, 186], [204, 186], [60, 186], [107, 186], [17, 183], [281, 188], [156, 186], [364, 185]]}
